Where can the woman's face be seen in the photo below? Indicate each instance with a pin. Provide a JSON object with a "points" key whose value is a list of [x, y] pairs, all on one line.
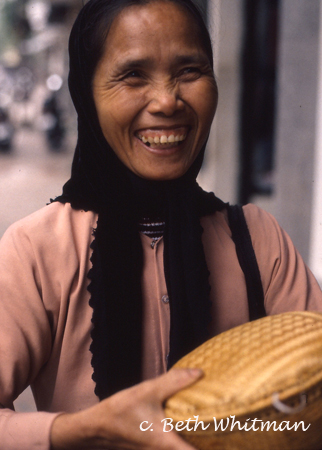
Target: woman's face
{"points": [[154, 90]]}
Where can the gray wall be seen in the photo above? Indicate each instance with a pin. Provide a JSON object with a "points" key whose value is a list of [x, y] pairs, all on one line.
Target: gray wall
{"points": [[296, 117]]}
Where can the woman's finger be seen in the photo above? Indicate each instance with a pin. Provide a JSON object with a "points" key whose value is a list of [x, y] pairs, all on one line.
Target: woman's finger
{"points": [[175, 380]]}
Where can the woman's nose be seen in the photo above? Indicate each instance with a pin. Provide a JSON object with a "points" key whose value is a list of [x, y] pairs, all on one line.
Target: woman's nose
{"points": [[165, 100]]}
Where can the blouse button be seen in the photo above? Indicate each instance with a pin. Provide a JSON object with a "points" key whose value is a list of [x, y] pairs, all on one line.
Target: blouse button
{"points": [[165, 299]]}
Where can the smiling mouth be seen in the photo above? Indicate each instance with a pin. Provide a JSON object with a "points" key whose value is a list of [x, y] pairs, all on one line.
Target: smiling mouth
{"points": [[162, 139]]}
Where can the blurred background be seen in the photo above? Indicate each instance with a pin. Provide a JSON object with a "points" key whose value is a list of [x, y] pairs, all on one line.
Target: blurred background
{"points": [[265, 145]]}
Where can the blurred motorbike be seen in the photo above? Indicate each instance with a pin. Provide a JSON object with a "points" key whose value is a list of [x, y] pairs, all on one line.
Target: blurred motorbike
{"points": [[52, 115], [6, 131]]}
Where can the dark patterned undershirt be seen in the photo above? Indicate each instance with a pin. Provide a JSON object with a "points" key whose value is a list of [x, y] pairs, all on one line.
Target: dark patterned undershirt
{"points": [[153, 228]]}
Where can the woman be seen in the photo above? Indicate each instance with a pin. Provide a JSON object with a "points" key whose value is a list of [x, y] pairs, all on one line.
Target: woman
{"points": [[87, 272]]}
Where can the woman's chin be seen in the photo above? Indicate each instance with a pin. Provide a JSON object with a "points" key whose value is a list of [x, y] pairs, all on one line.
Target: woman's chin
{"points": [[161, 172]]}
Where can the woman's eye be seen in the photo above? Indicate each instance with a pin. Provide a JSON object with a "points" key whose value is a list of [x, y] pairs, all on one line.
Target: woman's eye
{"points": [[132, 74], [191, 72], [134, 78]]}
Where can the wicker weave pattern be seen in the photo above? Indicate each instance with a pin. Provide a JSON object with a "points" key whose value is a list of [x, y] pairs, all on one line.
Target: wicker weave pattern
{"points": [[243, 368]]}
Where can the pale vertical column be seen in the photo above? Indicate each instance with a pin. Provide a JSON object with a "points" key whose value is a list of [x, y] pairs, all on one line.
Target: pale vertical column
{"points": [[297, 84], [315, 256], [220, 173]]}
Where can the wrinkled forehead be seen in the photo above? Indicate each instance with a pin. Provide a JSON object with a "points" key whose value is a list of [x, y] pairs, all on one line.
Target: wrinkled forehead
{"points": [[157, 28], [138, 16], [141, 12]]}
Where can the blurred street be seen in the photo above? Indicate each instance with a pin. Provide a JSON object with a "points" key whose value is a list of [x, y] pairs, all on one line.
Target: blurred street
{"points": [[31, 174]]}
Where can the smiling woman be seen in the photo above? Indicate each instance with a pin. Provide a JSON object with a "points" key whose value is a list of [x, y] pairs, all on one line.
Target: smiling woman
{"points": [[134, 265]]}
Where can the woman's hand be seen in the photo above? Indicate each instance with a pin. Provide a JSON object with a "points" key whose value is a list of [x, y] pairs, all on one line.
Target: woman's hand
{"points": [[115, 422]]}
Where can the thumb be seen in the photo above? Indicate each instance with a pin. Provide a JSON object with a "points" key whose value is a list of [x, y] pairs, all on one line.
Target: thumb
{"points": [[175, 380]]}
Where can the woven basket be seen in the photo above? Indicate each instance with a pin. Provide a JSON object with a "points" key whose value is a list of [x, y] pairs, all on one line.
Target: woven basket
{"points": [[259, 370]]}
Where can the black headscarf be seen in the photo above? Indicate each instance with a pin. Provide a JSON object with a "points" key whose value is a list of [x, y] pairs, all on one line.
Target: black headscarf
{"points": [[100, 182]]}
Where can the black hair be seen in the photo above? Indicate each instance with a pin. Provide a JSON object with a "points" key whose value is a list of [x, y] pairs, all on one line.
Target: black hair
{"points": [[100, 15]]}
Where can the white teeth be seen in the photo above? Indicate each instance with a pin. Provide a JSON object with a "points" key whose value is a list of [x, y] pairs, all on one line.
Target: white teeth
{"points": [[162, 139]]}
